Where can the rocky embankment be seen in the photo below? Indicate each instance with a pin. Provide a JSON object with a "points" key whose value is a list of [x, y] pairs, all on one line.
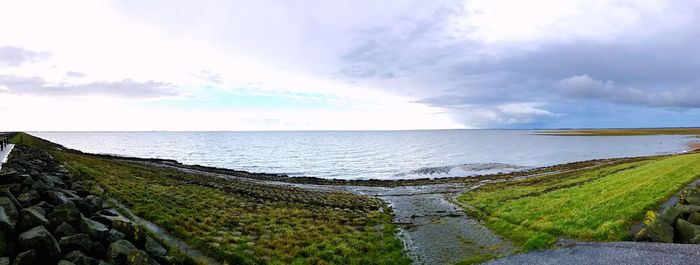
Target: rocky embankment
{"points": [[679, 223], [48, 216]]}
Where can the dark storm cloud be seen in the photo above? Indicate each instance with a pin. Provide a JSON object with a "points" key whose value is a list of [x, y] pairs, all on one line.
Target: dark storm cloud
{"points": [[124, 88], [15, 56], [639, 68]]}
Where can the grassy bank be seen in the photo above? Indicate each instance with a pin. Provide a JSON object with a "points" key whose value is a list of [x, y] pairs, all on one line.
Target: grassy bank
{"points": [[594, 204], [243, 223], [623, 132]]}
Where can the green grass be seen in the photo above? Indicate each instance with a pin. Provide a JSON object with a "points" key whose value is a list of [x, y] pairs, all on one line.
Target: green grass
{"points": [[595, 204], [244, 223]]}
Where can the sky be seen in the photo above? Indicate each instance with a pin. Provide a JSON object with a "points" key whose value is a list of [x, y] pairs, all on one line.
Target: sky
{"points": [[348, 65]]}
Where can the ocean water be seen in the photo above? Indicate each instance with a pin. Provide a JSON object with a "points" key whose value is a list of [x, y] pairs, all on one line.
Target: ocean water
{"points": [[368, 154]]}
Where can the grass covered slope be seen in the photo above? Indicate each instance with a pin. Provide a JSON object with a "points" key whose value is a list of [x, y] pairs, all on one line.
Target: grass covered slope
{"points": [[244, 223], [598, 203]]}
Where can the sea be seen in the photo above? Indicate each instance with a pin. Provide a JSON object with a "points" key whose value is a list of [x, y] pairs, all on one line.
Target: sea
{"points": [[369, 154]]}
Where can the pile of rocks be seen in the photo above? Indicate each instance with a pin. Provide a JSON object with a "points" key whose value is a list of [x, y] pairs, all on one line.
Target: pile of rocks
{"points": [[679, 223], [47, 216]]}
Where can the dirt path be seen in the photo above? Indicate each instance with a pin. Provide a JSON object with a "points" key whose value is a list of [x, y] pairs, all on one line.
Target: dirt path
{"points": [[609, 254]]}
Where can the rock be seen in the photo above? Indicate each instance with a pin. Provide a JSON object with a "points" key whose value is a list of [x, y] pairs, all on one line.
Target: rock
{"points": [[686, 231], [64, 262], [688, 209], [8, 214], [66, 212], [154, 248], [694, 218], [39, 239], [139, 257], [115, 236], [14, 188], [670, 214], [96, 230], [28, 198], [133, 233], [57, 198], [78, 258], [4, 248], [5, 261], [44, 206], [97, 250], [25, 258], [75, 242], [657, 231], [64, 229], [118, 252], [7, 224], [692, 197], [31, 217], [10, 177]]}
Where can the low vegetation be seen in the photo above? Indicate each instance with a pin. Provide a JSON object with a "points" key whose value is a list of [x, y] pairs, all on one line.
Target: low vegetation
{"points": [[623, 132], [592, 204], [241, 222]]}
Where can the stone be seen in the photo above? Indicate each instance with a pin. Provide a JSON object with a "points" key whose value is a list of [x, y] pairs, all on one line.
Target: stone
{"points": [[96, 230], [65, 262], [154, 248], [657, 231], [7, 224], [692, 197], [39, 239], [75, 242], [4, 248], [31, 217], [5, 261], [115, 236], [14, 188], [25, 258], [66, 212], [139, 257], [688, 209], [8, 214], [44, 206], [118, 252], [670, 214], [135, 234], [64, 229], [686, 231], [57, 198], [694, 218], [28, 198], [10, 177], [78, 258]]}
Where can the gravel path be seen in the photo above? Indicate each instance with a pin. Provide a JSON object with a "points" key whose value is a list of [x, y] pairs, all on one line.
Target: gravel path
{"points": [[609, 254]]}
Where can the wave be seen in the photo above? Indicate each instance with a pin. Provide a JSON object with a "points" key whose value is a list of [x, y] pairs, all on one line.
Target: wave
{"points": [[463, 169]]}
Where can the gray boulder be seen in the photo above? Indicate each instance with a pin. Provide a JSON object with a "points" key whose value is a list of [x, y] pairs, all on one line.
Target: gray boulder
{"points": [[75, 242], [5, 261], [96, 230], [66, 212], [118, 252], [8, 214], [686, 230], [115, 236], [657, 231], [39, 239], [28, 198], [694, 218], [25, 258], [31, 217], [64, 229], [154, 248], [78, 258], [139, 257]]}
